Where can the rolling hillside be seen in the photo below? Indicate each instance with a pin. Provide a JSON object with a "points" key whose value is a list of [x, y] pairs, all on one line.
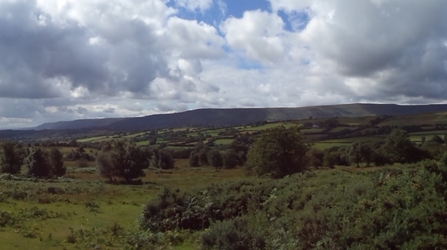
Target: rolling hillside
{"points": [[233, 117]]}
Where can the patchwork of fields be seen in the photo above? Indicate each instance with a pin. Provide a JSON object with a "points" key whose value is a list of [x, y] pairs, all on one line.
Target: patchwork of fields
{"points": [[82, 211]]}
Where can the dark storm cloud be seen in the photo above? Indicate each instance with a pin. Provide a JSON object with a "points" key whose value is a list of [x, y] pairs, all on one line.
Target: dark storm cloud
{"points": [[38, 54]]}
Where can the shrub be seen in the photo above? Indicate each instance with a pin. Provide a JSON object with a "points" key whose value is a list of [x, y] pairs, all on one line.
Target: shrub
{"points": [[5, 219], [331, 209], [238, 234]]}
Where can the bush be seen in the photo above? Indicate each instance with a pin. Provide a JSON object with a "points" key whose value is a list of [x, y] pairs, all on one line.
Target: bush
{"points": [[330, 209], [238, 234]]}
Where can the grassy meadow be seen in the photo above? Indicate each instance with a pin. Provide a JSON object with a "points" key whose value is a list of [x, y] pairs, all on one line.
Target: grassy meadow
{"points": [[81, 211]]}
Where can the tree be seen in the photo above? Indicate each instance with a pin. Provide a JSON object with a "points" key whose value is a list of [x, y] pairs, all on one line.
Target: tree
{"points": [[38, 163], [162, 159], [240, 145], [124, 160], [215, 158], [367, 153], [278, 152], [105, 167], [315, 157], [230, 159], [355, 155], [165, 160], [399, 148], [193, 159], [12, 158], [57, 162], [203, 157], [329, 159]]}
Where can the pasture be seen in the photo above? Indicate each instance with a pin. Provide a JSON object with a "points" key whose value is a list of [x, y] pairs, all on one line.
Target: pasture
{"points": [[81, 211]]}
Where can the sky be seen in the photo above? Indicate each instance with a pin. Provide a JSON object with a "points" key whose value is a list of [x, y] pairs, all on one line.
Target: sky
{"points": [[78, 59]]}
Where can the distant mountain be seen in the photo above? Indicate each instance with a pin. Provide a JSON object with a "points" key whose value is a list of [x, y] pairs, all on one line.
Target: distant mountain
{"points": [[78, 124], [242, 116]]}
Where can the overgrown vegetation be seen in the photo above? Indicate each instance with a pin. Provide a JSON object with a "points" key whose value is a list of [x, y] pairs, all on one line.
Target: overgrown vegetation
{"points": [[387, 209]]}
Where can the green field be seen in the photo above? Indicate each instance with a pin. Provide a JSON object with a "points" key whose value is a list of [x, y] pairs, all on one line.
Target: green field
{"points": [[92, 139], [84, 212], [223, 141]]}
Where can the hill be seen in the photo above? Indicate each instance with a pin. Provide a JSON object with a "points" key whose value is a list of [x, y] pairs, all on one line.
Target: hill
{"points": [[78, 124], [242, 116]]}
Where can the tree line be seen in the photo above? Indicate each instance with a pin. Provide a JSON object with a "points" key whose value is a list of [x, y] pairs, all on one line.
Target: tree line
{"points": [[277, 152], [38, 162]]}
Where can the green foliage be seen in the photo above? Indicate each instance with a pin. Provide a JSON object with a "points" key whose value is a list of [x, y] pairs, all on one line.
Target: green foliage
{"points": [[193, 159], [203, 157], [57, 162], [240, 145], [80, 154], [12, 158], [38, 163], [44, 164], [124, 160], [329, 159], [215, 158], [436, 150], [330, 209], [397, 146], [367, 153], [355, 155], [194, 210], [105, 166], [315, 157], [162, 159], [230, 159], [278, 152], [437, 139], [237, 233]]}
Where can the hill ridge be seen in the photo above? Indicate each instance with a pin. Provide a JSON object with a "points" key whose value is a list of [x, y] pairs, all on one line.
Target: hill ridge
{"points": [[241, 116]]}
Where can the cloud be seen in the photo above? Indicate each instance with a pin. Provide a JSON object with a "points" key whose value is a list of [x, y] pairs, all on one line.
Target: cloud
{"points": [[195, 40], [193, 5], [40, 52], [73, 59], [257, 33], [389, 47]]}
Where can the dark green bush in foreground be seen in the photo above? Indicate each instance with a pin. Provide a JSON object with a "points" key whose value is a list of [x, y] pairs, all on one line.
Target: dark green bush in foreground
{"points": [[329, 209]]}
